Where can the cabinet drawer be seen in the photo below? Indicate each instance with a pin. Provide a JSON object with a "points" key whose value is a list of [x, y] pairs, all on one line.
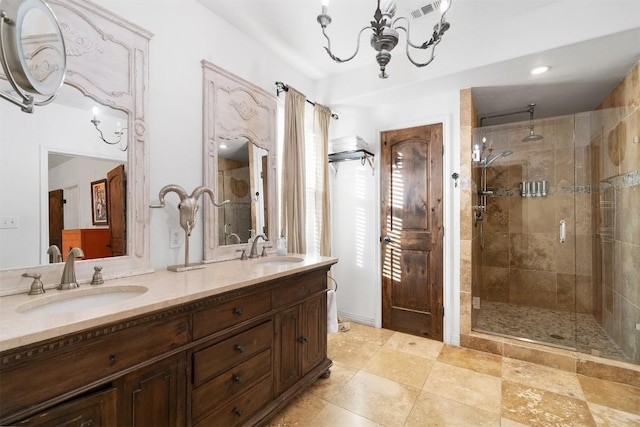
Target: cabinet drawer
{"points": [[237, 411], [298, 288], [79, 361], [222, 316], [220, 357], [230, 384]]}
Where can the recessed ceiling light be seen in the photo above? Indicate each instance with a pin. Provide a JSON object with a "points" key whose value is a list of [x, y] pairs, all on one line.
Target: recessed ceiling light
{"points": [[540, 70]]}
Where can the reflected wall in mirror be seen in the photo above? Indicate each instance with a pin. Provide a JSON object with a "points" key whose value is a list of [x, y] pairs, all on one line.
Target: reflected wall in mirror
{"points": [[239, 161], [242, 179], [107, 66], [48, 158]]}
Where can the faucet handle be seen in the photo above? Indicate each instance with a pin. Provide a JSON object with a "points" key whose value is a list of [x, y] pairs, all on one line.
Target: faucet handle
{"points": [[243, 256], [264, 250], [37, 287], [97, 276]]}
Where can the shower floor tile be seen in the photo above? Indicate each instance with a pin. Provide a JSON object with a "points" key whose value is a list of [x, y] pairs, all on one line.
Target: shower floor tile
{"points": [[556, 327]]}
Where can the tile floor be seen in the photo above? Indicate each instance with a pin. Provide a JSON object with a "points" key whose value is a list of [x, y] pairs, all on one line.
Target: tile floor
{"points": [[386, 378], [579, 331]]}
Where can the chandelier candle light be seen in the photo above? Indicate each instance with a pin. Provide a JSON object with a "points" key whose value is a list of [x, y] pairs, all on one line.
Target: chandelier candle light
{"points": [[385, 33]]}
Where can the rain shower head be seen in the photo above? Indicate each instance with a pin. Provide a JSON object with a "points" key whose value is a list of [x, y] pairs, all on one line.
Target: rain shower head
{"points": [[532, 136], [490, 160]]}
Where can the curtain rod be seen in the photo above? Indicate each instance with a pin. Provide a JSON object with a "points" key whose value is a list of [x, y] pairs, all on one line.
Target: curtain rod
{"points": [[281, 87]]}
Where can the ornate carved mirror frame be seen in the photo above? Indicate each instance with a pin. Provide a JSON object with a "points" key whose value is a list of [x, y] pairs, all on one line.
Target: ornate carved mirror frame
{"points": [[235, 108], [95, 37]]}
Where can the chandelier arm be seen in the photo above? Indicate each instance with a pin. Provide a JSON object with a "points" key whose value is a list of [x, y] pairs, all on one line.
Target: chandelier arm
{"points": [[328, 47], [408, 51], [406, 30]]}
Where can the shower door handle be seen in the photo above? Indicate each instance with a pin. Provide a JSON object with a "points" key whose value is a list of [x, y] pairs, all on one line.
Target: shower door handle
{"points": [[563, 231]]}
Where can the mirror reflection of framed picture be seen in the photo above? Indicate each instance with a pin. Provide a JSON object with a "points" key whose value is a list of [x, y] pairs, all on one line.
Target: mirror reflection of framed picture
{"points": [[99, 202]]}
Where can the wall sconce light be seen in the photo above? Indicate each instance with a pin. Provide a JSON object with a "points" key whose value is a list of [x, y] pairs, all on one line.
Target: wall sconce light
{"points": [[118, 133]]}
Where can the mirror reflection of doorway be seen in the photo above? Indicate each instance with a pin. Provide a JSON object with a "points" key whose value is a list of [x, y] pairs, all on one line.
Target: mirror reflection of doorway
{"points": [[70, 208]]}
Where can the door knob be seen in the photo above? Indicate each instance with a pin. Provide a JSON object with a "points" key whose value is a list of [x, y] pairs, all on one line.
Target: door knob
{"points": [[385, 239]]}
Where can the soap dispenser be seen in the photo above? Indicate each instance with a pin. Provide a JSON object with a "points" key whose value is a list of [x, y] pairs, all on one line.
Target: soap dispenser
{"points": [[281, 245]]}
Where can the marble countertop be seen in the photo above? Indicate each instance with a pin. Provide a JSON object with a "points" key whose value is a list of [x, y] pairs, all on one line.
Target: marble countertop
{"points": [[165, 289]]}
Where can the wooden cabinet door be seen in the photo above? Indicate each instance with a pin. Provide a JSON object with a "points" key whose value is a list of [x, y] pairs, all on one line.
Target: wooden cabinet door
{"points": [[300, 341], [154, 395], [314, 332], [95, 410], [286, 349]]}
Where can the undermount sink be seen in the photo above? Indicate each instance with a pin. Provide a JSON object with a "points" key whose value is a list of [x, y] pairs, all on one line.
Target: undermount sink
{"points": [[80, 299], [279, 260]]}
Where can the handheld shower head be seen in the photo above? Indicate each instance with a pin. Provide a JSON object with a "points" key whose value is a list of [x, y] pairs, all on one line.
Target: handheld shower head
{"points": [[490, 160]]}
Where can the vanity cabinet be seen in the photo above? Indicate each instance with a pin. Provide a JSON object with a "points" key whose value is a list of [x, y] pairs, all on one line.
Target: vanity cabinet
{"points": [[95, 410], [154, 395], [300, 329], [231, 359]]}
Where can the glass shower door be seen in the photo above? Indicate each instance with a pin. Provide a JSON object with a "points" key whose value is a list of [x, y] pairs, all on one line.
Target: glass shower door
{"points": [[527, 252]]}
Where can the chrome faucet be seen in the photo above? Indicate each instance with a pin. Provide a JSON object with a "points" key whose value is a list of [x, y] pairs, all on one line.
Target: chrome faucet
{"points": [[254, 245], [68, 280]]}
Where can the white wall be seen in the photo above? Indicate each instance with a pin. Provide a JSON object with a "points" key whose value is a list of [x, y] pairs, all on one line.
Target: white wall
{"points": [[185, 32], [356, 206]]}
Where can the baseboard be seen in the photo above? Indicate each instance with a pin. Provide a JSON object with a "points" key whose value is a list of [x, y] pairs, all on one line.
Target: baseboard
{"points": [[369, 321]]}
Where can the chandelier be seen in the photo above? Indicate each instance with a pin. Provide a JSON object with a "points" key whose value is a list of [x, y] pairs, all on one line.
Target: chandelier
{"points": [[385, 32]]}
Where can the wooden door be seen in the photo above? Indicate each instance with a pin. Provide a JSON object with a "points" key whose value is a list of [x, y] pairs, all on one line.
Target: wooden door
{"points": [[56, 219], [117, 210], [411, 219]]}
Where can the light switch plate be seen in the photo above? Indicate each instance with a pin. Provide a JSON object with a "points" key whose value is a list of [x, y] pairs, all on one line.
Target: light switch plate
{"points": [[9, 222], [176, 237]]}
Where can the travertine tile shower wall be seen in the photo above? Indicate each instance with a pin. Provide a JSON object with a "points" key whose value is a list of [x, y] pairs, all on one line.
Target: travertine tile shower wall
{"points": [[523, 261], [615, 147]]}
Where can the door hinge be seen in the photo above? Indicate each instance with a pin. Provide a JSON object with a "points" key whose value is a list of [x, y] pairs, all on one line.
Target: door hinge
{"points": [[442, 150], [442, 311]]}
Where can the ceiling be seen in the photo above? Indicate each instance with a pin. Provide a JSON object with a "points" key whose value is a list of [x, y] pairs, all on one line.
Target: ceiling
{"points": [[490, 47]]}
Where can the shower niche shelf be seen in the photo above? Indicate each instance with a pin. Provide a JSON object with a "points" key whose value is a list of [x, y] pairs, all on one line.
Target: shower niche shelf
{"points": [[363, 155]]}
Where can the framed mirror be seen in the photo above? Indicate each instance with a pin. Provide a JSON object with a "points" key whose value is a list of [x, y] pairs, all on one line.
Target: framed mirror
{"points": [[239, 152], [63, 132]]}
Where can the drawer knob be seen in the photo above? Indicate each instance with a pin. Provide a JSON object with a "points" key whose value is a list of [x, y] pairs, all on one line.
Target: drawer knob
{"points": [[238, 311], [112, 358], [238, 412], [303, 340], [237, 379], [240, 348]]}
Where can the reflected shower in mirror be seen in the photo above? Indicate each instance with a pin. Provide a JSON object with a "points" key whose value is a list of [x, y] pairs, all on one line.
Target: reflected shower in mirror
{"points": [[241, 179]]}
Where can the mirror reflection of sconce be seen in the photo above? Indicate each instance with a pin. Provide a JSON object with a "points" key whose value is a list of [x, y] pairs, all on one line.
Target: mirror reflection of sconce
{"points": [[32, 52], [118, 133]]}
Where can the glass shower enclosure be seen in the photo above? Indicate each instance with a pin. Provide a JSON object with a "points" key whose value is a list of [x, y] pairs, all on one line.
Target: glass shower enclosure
{"points": [[556, 238]]}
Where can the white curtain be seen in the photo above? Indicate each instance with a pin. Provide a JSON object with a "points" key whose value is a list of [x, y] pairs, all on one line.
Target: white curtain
{"points": [[321, 119], [293, 210]]}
